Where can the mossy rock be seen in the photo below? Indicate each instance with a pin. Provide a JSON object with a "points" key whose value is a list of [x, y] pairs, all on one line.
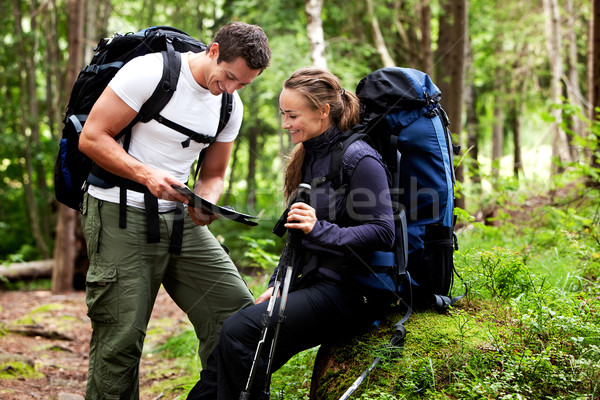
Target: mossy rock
{"points": [[413, 366]]}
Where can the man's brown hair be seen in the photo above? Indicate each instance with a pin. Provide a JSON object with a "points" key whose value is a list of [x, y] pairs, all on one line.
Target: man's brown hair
{"points": [[238, 39]]}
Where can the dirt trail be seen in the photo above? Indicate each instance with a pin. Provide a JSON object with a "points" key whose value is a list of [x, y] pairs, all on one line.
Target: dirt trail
{"points": [[51, 333]]}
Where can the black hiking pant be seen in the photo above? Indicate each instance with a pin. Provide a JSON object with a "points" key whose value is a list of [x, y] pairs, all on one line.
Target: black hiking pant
{"points": [[322, 312]]}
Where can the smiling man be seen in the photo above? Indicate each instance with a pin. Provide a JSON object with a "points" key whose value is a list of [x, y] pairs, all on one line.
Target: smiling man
{"points": [[127, 265]]}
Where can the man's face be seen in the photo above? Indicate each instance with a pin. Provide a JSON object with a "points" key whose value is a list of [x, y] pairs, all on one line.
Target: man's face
{"points": [[228, 77]]}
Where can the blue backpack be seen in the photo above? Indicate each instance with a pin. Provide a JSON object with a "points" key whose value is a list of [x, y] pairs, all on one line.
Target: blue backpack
{"points": [[402, 119]]}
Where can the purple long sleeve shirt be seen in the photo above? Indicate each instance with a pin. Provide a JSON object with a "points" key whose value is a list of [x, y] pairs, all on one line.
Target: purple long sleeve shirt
{"points": [[358, 220]]}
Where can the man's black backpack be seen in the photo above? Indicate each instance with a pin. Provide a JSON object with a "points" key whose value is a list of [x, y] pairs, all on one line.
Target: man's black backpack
{"points": [[402, 119], [72, 167]]}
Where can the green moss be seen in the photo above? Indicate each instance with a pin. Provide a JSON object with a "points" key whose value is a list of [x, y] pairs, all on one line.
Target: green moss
{"points": [[17, 370], [29, 318]]}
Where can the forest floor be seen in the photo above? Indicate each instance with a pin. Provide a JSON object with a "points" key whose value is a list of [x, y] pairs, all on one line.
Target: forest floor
{"points": [[44, 343]]}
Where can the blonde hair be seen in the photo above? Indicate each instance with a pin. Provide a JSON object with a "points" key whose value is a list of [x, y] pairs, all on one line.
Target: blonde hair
{"points": [[319, 87]]}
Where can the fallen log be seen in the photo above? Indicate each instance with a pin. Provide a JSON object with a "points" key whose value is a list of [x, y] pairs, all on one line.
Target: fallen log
{"points": [[7, 358], [37, 330], [27, 270]]}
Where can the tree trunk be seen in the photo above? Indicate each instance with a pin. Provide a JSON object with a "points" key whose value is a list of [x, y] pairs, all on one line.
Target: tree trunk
{"points": [[560, 142], [382, 50], [514, 121], [426, 53], [314, 29], [96, 20], [593, 79], [572, 74], [65, 250], [76, 18], [27, 270], [54, 76], [65, 246], [450, 64], [497, 138], [251, 176], [594, 64], [35, 175], [472, 120]]}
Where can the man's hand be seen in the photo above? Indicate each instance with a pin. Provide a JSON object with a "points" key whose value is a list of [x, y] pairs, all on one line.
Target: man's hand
{"points": [[160, 184], [200, 217]]}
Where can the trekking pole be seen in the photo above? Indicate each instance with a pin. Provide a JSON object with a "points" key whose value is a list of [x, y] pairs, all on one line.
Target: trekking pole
{"points": [[303, 196], [265, 320], [292, 242], [397, 339]]}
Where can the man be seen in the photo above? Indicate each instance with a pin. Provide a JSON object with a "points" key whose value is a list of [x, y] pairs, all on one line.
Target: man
{"points": [[125, 270]]}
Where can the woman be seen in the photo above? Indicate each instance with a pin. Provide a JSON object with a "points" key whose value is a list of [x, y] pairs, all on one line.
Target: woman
{"points": [[338, 229]]}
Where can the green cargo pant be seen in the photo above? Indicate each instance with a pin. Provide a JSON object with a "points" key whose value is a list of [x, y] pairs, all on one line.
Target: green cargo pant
{"points": [[123, 280]]}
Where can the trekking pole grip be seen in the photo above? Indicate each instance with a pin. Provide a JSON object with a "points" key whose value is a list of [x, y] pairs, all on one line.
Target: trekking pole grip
{"points": [[303, 195]]}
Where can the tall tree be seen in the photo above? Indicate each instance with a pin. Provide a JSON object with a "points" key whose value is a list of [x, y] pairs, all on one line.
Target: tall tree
{"points": [[450, 66], [571, 76], [34, 176], [96, 15], [380, 45], [593, 63], [65, 245], [498, 128], [426, 52], [472, 119], [560, 143], [314, 29], [594, 69], [52, 68]]}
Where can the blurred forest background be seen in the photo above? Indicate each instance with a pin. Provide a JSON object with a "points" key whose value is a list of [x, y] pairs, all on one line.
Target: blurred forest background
{"points": [[517, 80], [521, 85]]}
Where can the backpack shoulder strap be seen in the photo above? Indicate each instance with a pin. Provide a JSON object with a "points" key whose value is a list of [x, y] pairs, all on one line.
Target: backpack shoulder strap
{"points": [[226, 110], [162, 93], [336, 165], [166, 87]]}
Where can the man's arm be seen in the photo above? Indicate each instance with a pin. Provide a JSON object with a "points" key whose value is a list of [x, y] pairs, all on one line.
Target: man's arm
{"points": [[212, 177], [109, 116]]}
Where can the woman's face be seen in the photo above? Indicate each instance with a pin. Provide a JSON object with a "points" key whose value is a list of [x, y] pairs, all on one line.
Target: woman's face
{"points": [[302, 122]]}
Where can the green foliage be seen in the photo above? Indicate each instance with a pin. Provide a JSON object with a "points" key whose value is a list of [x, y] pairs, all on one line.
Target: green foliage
{"points": [[292, 381], [182, 347], [530, 249], [38, 284], [498, 274], [259, 255]]}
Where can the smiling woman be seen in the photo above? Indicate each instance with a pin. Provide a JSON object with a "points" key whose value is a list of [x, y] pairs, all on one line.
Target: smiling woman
{"points": [[299, 119], [328, 239]]}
